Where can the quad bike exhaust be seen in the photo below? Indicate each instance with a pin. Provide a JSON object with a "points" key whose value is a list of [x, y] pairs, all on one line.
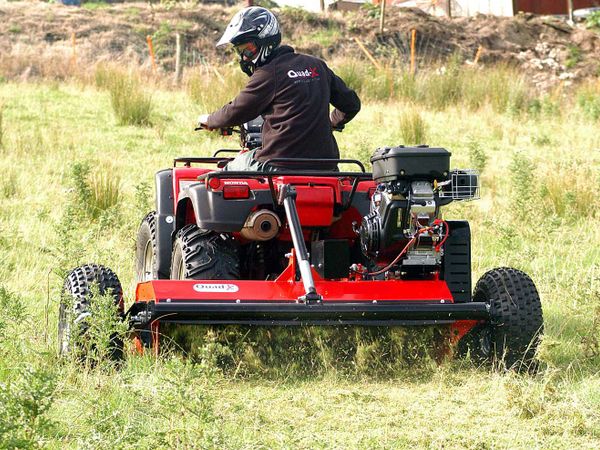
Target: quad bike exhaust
{"points": [[261, 225]]}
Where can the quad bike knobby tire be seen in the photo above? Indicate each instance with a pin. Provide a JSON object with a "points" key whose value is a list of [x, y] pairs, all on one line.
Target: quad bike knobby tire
{"points": [[201, 255], [76, 297], [513, 334], [145, 250]]}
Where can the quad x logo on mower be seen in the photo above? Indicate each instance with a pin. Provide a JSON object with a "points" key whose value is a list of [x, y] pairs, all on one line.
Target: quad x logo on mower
{"points": [[215, 287]]}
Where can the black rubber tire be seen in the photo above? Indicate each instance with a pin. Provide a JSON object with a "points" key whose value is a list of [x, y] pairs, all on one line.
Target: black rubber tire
{"points": [[145, 248], [198, 255], [511, 338], [76, 298]]}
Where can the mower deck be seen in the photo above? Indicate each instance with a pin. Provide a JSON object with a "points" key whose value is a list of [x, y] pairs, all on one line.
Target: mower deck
{"points": [[280, 303]]}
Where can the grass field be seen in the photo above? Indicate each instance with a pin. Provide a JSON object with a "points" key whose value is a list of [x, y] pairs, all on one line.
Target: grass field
{"points": [[62, 149]]}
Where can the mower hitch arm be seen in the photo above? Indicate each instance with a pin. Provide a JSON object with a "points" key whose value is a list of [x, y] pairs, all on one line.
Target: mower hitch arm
{"points": [[287, 197]]}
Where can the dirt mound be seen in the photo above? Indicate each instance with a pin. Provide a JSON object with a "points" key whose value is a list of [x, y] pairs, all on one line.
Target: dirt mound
{"points": [[37, 38], [547, 47]]}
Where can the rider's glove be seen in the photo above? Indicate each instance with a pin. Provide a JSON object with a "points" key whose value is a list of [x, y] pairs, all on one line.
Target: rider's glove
{"points": [[202, 120]]}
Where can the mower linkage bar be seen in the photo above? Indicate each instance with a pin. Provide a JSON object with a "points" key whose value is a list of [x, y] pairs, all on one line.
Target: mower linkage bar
{"points": [[287, 197]]}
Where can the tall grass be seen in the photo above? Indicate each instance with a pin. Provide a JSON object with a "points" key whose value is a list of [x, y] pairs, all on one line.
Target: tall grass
{"points": [[413, 128], [1, 127], [95, 191], [588, 98], [502, 87], [211, 87], [217, 395], [131, 103]]}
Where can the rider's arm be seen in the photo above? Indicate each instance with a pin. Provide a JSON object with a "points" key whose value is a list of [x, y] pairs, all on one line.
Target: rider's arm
{"points": [[345, 101], [251, 102]]}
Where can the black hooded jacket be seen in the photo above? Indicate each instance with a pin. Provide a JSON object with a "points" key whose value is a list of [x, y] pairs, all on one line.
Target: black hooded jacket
{"points": [[292, 92]]}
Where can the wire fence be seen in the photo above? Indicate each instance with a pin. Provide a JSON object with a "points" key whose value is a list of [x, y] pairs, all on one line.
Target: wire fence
{"points": [[178, 52]]}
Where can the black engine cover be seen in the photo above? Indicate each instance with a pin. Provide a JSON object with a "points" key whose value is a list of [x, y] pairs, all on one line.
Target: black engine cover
{"points": [[410, 163]]}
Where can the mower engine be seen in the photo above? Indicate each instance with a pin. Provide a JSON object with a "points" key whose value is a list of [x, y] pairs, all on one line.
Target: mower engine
{"points": [[403, 229]]}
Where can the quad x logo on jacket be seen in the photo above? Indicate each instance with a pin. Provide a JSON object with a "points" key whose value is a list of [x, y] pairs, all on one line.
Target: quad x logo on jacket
{"points": [[311, 72]]}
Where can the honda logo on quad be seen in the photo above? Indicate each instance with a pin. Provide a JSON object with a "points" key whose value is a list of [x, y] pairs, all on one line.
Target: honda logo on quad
{"points": [[216, 287], [306, 73]]}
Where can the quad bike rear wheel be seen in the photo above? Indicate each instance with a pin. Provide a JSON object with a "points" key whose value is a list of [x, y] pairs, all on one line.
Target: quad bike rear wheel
{"points": [[198, 255], [513, 334], [74, 307], [146, 267]]}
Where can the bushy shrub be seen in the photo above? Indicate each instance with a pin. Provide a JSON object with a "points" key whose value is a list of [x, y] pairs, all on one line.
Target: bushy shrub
{"points": [[95, 191], [131, 104]]}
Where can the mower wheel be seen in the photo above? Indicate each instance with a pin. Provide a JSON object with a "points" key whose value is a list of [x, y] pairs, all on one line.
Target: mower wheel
{"points": [[513, 334], [145, 250], [198, 255], [76, 297]]}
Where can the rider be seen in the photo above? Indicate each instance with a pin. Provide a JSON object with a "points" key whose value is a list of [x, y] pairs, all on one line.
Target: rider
{"points": [[291, 91]]}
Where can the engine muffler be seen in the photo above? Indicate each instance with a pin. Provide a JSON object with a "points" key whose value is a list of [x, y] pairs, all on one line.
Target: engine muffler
{"points": [[261, 225]]}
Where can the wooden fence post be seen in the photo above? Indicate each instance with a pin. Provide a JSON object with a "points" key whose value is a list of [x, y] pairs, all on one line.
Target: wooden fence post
{"points": [[413, 40], [570, 6], [74, 51], [151, 50], [382, 16], [478, 55], [368, 54], [178, 58]]}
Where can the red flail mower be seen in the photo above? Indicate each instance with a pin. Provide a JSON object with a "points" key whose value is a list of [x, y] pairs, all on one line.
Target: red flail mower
{"points": [[291, 246]]}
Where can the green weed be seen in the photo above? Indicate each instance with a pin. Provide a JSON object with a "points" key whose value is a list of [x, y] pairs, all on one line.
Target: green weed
{"points": [[143, 196], [522, 175], [593, 20], [15, 28], [26, 399], [574, 56], [95, 5], [588, 98], [477, 155], [12, 313]]}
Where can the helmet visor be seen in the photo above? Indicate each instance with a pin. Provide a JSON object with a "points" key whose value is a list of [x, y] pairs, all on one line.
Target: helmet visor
{"points": [[232, 30]]}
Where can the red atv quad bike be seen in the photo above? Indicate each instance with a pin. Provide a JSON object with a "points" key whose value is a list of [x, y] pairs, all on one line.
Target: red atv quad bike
{"points": [[290, 246]]}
